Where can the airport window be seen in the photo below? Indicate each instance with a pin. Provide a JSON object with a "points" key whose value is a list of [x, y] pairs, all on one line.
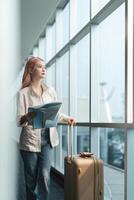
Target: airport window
{"points": [[83, 139], [86, 65], [80, 143], [97, 5], [108, 68], [35, 51], [64, 145], [42, 48], [61, 150], [53, 40], [65, 23], [79, 15], [130, 163], [62, 27], [50, 42], [62, 80], [57, 153], [50, 75], [79, 80], [111, 148]]}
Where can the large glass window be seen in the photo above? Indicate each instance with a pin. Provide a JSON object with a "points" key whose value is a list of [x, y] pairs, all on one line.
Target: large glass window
{"points": [[108, 67], [130, 164], [109, 143], [62, 80], [79, 15], [50, 42], [83, 139], [60, 152], [62, 27], [97, 5], [50, 76], [95, 50], [35, 51], [80, 143], [79, 80], [42, 48], [112, 146], [64, 144]]}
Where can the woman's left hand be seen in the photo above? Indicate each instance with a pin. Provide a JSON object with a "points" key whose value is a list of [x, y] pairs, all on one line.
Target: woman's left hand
{"points": [[71, 121]]}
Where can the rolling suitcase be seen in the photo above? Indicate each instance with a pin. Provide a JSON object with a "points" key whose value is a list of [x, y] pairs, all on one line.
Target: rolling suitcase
{"points": [[83, 175]]}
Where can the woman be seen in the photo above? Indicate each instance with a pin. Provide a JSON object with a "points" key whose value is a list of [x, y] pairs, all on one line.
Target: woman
{"points": [[36, 144]]}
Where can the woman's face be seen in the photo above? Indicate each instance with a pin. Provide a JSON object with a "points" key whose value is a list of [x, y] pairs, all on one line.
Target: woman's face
{"points": [[39, 71]]}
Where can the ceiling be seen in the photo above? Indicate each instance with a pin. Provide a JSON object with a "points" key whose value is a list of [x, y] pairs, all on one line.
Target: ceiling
{"points": [[34, 14]]}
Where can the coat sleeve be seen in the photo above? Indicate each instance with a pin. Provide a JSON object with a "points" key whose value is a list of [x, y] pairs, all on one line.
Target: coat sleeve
{"points": [[20, 109]]}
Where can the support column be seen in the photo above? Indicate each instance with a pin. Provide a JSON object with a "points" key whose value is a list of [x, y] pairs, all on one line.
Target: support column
{"points": [[9, 66]]}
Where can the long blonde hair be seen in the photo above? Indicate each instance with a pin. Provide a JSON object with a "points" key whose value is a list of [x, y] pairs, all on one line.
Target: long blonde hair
{"points": [[30, 65]]}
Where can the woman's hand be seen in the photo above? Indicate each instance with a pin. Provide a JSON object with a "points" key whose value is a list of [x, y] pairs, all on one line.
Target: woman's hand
{"points": [[31, 115], [71, 121], [27, 117]]}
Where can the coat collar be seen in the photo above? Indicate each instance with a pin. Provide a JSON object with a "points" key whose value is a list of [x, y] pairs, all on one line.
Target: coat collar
{"points": [[44, 88]]}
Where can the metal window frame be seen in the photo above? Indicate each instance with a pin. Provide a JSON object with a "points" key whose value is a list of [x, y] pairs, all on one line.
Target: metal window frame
{"points": [[103, 13], [109, 8]]}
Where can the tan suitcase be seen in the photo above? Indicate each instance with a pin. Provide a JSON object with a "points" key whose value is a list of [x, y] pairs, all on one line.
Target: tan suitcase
{"points": [[83, 177]]}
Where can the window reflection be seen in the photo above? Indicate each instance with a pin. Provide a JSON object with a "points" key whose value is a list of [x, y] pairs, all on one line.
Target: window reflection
{"points": [[79, 80], [62, 27], [83, 142], [108, 68], [112, 147], [97, 5], [50, 42], [79, 15], [62, 80], [50, 77]]}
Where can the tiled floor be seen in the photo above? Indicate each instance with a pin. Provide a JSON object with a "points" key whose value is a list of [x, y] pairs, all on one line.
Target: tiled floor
{"points": [[56, 191], [114, 185]]}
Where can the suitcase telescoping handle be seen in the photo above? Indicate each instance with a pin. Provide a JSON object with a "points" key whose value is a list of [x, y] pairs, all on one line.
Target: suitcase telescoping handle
{"points": [[69, 141]]}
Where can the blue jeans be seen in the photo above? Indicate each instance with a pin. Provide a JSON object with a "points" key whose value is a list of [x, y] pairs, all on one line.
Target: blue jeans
{"points": [[37, 170]]}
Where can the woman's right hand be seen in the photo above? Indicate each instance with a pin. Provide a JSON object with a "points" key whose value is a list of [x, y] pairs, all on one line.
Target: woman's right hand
{"points": [[31, 115], [27, 117]]}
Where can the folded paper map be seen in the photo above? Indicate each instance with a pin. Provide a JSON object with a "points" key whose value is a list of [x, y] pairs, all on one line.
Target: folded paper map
{"points": [[46, 115]]}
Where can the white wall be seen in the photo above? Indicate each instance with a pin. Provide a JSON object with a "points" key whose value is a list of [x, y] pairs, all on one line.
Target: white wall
{"points": [[21, 23], [9, 62]]}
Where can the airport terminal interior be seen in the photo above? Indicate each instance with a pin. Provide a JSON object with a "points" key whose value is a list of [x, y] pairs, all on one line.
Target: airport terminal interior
{"points": [[87, 46]]}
